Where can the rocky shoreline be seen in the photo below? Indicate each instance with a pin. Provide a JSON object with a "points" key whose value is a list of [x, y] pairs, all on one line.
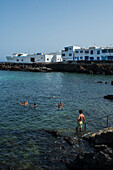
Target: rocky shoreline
{"points": [[102, 155], [88, 152], [58, 151], [105, 68]]}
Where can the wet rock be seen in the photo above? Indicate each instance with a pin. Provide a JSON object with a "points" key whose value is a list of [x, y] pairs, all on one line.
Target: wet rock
{"points": [[103, 137], [49, 69], [99, 82], [101, 157], [96, 160], [54, 133], [70, 140], [108, 97]]}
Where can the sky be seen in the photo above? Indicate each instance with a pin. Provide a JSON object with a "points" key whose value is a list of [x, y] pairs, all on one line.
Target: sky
{"points": [[32, 26]]}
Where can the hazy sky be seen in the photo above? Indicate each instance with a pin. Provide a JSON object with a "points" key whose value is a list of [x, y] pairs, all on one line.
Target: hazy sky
{"points": [[32, 26]]}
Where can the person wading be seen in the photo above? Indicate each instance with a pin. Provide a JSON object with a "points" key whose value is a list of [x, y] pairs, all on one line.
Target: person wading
{"points": [[80, 121]]}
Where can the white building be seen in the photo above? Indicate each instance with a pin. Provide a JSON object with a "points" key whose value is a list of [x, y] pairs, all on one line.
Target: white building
{"points": [[74, 53], [91, 53], [94, 53], [34, 58], [68, 53]]}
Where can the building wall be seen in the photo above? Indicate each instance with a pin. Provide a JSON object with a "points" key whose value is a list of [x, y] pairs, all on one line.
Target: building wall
{"points": [[94, 53], [16, 59], [35, 58], [31, 58], [56, 58], [68, 53]]}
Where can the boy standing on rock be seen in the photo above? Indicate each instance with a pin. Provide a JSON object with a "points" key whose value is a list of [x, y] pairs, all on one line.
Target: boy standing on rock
{"points": [[80, 121]]}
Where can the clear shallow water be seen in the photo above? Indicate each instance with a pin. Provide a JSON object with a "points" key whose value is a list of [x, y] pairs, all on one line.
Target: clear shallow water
{"points": [[77, 91]]}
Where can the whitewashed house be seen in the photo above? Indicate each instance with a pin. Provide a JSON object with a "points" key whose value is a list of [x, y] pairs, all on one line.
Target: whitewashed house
{"points": [[17, 57], [68, 54], [75, 53], [94, 53], [91, 53], [34, 58]]}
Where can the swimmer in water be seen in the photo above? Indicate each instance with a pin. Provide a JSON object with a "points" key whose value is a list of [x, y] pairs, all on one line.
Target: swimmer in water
{"points": [[35, 105], [60, 105], [25, 103]]}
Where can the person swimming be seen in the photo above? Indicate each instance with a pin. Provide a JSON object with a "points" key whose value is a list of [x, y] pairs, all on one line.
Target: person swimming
{"points": [[35, 105], [25, 103], [60, 105]]}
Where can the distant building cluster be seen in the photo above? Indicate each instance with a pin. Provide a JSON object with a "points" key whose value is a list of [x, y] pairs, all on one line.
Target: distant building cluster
{"points": [[35, 58], [92, 53], [70, 53]]}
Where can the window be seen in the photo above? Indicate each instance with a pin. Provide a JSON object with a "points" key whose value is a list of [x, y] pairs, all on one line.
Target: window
{"points": [[70, 54], [98, 58], [17, 60], [110, 57], [47, 58], [104, 51], [86, 52], [70, 49], [91, 52], [81, 58], [66, 48], [32, 59], [81, 51], [63, 54], [98, 51], [76, 51], [22, 60], [91, 58], [110, 51], [86, 57]]}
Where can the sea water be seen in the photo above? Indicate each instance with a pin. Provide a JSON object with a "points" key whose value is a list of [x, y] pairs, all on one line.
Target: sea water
{"points": [[76, 91]]}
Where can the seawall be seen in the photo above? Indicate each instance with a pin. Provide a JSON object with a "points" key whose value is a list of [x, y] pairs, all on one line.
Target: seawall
{"points": [[97, 67]]}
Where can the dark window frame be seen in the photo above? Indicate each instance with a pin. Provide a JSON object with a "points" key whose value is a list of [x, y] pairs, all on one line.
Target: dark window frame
{"points": [[70, 54]]}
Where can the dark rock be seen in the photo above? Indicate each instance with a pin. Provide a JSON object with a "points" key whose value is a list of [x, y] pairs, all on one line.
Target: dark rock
{"points": [[96, 160], [54, 133], [99, 67], [99, 82], [70, 140], [101, 157], [103, 137], [108, 97]]}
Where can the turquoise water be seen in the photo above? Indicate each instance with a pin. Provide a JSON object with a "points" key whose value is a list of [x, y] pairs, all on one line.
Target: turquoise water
{"points": [[77, 91]]}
